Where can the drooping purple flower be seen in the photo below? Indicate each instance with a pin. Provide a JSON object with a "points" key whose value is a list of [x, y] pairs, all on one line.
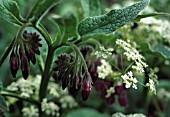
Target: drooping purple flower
{"points": [[14, 63], [123, 101], [25, 66], [86, 86]]}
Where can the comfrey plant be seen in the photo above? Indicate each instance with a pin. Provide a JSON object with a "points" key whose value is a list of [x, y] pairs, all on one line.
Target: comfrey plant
{"points": [[76, 56]]}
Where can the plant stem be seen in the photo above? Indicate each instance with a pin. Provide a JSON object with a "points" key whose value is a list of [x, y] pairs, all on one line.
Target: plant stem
{"points": [[44, 33], [80, 54], [46, 77], [12, 94], [7, 52]]}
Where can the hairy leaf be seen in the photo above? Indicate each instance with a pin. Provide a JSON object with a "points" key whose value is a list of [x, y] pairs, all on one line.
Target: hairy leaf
{"points": [[111, 21], [158, 49], [3, 104], [9, 11], [41, 8], [91, 7]]}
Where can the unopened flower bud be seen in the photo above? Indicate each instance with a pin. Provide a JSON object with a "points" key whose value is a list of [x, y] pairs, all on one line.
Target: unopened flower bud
{"points": [[14, 63], [25, 66], [75, 87], [86, 87], [123, 99]]}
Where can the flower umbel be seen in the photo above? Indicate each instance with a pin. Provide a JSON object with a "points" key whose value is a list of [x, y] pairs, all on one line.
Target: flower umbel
{"points": [[133, 54], [129, 80]]}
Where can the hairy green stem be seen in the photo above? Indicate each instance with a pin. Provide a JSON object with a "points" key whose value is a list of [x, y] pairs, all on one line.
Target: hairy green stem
{"points": [[46, 77], [12, 94], [7, 52]]}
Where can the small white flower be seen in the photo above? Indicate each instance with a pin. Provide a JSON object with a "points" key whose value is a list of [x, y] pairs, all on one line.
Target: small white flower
{"points": [[50, 108], [129, 80], [110, 91], [103, 52], [104, 70], [151, 86], [31, 111]]}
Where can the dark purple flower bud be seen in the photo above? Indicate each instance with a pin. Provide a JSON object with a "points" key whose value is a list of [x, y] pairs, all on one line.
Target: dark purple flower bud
{"points": [[14, 63], [32, 57], [86, 87], [123, 99], [119, 89], [25, 66], [75, 86], [110, 100]]}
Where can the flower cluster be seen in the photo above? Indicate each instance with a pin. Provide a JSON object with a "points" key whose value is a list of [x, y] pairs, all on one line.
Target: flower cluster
{"points": [[104, 69], [152, 81], [132, 54], [129, 80], [50, 108], [103, 52], [66, 68], [92, 64], [31, 111], [28, 89], [27, 47], [130, 115]]}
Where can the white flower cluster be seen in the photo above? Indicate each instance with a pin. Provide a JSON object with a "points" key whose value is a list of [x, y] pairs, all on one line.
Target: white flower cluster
{"points": [[50, 108], [163, 94], [31, 111], [30, 88], [132, 54], [151, 85], [129, 80], [68, 102], [158, 25], [26, 87], [130, 115], [152, 81], [110, 91], [103, 52], [104, 70]]}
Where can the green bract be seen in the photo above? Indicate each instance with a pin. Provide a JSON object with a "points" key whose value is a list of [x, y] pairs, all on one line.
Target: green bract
{"points": [[111, 21]]}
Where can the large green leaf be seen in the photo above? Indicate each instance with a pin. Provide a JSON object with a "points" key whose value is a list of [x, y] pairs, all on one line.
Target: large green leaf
{"points": [[91, 7], [111, 21], [85, 112], [158, 49], [3, 104], [9, 11], [41, 8]]}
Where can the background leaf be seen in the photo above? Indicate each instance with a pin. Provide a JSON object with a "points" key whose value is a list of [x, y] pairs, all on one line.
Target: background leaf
{"points": [[85, 112], [111, 21], [9, 11], [41, 8], [91, 7], [3, 104], [67, 27], [158, 49], [139, 17]]}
